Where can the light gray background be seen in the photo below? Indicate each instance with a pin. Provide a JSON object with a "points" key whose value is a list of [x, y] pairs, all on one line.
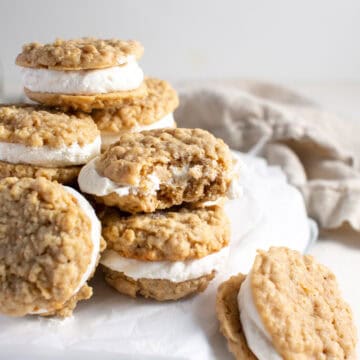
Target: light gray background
{"points": [[284, 40]]}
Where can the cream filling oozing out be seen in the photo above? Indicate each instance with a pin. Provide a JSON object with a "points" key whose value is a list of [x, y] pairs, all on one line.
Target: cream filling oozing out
{"points": [[95, 239], [257, 338], [75, 154], [125, 77], [107, 138], [174, 271], [91, 182]]}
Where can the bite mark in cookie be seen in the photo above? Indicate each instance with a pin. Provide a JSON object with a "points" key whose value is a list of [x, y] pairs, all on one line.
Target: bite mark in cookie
{"points": [[158, 169]]}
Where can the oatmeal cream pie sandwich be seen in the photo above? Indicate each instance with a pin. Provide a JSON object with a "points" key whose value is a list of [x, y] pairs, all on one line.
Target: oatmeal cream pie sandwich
{"points": [[165, 255], [158, 169], [82, 74], [50, 243], [288, 307], [36, 141], [154, 111]]}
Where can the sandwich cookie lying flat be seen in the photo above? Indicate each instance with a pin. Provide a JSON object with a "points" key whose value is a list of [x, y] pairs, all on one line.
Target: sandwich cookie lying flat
{"points": [[154, 111], [288, 307], [165, 255], [158, 169], [50, 243], [35, 141], [82, 74]]}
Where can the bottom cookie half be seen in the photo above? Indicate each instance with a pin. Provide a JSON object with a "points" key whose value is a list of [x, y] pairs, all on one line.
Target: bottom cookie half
{"points": [[229, 318], [64, 175], [158, 289]]}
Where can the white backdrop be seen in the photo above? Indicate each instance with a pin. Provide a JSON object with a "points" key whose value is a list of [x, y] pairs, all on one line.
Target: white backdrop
{"points": [[192, 39]]}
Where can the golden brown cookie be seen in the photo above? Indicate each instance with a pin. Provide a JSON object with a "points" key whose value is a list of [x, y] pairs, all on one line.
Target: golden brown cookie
{"points": [[49, 243], [78, 54], [158, 169], [298, 303], [160, 290], [174, 235], [34, 125], [132, 114], [85, 103], [37, 141]]}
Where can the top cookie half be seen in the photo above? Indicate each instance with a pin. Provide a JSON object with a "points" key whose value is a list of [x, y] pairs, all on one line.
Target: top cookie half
{"points": [[79, 54]]}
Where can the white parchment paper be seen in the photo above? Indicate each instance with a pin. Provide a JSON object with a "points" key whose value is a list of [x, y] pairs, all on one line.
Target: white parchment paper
{"points": [[112, 326]]}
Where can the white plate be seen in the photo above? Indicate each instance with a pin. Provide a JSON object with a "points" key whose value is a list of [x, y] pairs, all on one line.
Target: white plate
{"points": [[112, 326]]}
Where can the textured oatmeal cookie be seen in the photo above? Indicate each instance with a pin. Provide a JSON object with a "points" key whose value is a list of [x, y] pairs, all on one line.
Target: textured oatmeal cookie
{"points": [[78, 54], [85, 103], [63, 175], [189, 165], [160, 290], [161, 99], [229, 317], [45, 247], [173, 235], [300, 305], [38, 126]]}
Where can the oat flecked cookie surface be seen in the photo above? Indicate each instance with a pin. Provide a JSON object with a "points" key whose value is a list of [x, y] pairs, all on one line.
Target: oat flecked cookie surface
{"points": [[45, 247], [173, 235], [161, 99], [86, 103], [63, 175], [299, 304], [78, 54], [191, 165], [37, 126]]}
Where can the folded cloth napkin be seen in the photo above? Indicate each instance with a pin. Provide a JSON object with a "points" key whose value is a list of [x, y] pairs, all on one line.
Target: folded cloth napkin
{"points": [[317, 150]]}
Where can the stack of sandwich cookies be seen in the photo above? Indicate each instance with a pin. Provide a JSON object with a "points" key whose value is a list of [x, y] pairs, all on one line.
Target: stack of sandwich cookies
{"points": [[165, 255], [158, 169], [36, 141], [50, 243], [82, 74], [153, 111], [288, 307]]}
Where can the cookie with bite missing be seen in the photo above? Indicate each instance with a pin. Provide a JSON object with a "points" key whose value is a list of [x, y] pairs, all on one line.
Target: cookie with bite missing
{"points": [[165, 255], [82, 74], [154, 111], [41, 142], [50, 243], [288, 307], [158, 169]]}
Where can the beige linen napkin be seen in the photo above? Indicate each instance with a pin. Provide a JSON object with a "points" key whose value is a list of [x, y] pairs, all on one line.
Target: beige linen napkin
{"points": [[318, 151]]}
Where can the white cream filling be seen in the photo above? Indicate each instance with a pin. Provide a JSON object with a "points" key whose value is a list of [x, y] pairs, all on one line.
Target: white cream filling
{"points": [[128, 76], [95, 239], [168, 121], [91, 182], [49, 157], [257, 338], [175, 271]]}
